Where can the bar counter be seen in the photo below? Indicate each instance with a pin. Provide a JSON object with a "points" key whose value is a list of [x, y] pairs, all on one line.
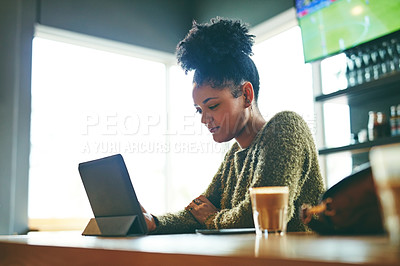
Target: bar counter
{"points": [[71, 248]]}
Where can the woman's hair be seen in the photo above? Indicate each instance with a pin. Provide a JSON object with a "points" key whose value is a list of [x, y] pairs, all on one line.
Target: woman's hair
{"points": [[219, 53]]}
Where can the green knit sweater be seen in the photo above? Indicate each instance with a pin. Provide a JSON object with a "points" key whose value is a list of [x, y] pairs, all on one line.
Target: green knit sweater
{"points": [[282, 154]]}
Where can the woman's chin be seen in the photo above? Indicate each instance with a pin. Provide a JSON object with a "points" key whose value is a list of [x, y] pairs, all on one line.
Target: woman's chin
{"points": [[217, 138], [220, 139]]}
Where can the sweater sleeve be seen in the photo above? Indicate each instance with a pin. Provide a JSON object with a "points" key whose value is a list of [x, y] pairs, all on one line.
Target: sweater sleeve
{"points": [[239, 216], [176, 223]]}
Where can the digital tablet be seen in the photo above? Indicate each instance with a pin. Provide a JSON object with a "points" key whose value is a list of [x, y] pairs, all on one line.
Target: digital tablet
{"points": [[111, 194]]}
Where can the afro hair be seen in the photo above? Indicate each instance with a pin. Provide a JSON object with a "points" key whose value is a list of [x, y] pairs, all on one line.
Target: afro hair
{"points": [[219, 53]]}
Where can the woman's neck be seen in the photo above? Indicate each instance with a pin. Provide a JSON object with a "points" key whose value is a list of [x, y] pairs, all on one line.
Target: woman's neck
{"points": [[254, 124]]}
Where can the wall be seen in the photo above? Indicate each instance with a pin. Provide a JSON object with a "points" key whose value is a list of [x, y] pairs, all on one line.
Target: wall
{"points": [[155, 24], [16, 31], [252, 12]]}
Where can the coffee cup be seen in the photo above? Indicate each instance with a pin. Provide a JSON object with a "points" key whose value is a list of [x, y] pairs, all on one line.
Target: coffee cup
{"points": [[385, 164], [270, 205]]}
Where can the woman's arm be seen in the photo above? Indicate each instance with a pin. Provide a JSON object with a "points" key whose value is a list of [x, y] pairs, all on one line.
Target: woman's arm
{"points": [[240, 216]]}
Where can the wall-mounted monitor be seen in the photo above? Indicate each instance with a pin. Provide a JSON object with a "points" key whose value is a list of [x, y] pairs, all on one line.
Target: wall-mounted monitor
{"points": [[329, 27]]}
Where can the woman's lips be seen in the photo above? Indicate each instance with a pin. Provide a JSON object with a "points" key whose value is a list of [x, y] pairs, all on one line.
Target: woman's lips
{"points": [[213, 129]]}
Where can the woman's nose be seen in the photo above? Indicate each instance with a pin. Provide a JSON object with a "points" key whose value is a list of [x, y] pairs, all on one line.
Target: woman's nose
{"points": [[206, 118]]}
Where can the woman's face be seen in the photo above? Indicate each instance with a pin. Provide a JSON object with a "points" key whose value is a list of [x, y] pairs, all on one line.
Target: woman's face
{"points": [[222, 113]]}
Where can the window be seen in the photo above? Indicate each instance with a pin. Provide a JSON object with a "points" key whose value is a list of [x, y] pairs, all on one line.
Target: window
{"points": [[87, 104], [285, 81], [336, 119], [92, 98]]}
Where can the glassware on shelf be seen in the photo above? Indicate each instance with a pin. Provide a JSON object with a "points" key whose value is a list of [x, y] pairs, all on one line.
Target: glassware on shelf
{"points": [[366, 56], [398, 119], [375, 62], [372, 61], [382, 52], [350, 71]]}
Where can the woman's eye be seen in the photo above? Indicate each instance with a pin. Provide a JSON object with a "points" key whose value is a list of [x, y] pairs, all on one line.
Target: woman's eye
{"points": [[198, 111], [212, 107]]}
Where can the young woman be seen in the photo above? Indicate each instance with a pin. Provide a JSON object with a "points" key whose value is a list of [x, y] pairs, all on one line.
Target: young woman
{"points": [[280, 152]]}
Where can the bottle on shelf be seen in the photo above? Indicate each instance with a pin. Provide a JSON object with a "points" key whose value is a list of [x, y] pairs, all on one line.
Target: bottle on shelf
{"points": [[393, 121], [383, 129], [372, 126]]}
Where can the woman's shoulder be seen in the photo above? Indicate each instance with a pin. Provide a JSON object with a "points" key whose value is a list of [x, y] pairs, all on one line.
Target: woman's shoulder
{"points": [[284, 125], [287, 120]]}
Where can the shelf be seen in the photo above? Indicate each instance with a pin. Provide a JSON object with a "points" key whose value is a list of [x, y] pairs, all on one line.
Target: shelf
{"points": [[387, 85], [360, 147]]}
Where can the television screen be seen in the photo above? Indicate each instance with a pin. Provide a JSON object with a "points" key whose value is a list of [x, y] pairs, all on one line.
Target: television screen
{"points": [[329, 27]]}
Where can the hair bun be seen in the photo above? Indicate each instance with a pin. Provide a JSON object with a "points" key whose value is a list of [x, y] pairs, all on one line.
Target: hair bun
{"points": [[210, 44]]}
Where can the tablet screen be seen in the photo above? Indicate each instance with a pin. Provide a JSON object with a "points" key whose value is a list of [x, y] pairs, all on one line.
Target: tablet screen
{"points": [[109, 189]]}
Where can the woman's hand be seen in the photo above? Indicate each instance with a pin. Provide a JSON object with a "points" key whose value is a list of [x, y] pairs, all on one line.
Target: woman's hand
{"points": [[201, 208], [151, 224]]}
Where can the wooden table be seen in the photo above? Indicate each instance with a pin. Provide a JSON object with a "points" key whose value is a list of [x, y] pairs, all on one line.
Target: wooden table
{"points": [[70, 248]]}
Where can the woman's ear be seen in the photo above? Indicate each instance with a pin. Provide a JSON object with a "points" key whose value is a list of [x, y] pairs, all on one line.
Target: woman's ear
{"points": [[248, 93]]}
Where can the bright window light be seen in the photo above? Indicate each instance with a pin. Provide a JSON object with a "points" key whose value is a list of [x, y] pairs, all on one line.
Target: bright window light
{"points": [[87, 104], [336, 119], [285, 81]]}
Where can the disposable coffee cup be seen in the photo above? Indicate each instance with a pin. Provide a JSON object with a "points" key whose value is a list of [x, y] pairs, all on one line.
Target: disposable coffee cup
{"points": [[385, 164], [270, 205]]}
